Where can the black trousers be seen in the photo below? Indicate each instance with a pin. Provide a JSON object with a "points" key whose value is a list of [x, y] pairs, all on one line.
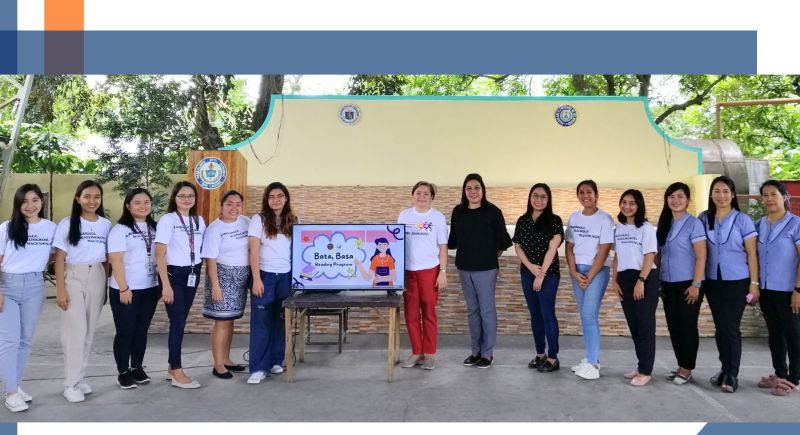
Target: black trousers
{"points": [[132, 322], [682, 321], [727, 301], [784, 333], [641, 316]]}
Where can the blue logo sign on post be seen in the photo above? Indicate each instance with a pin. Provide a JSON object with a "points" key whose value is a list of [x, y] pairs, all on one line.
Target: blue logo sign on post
{"points": [[566, 115], [210, 173]]}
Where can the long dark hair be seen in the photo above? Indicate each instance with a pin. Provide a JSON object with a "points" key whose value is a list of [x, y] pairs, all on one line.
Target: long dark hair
{"points": [[781, 189], [711, 214], [127, 218], [377, 252], [268, 217], [173, 202], [665, 219], [546, 218], [640, 217], [464, 200], [18, 225], [75, 216]]}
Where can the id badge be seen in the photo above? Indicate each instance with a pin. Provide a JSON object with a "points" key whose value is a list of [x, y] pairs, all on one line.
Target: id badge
{"points": [[192, 281], [150, 268]]}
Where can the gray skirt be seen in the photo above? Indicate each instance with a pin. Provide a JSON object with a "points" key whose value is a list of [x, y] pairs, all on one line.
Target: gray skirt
{"points": [[233, 281]]}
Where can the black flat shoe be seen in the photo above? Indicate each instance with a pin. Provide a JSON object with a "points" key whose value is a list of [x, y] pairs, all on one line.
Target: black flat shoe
{"points": [[548, 367], [537, 362], [236, 367], [730, 384], [226, 375]]}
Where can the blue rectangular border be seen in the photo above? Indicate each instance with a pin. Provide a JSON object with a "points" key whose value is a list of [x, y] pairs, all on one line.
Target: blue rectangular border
{"points": [[418, 52]]}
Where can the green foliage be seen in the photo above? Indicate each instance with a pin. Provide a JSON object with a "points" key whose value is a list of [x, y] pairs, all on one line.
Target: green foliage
{"points": [[452, 84]]}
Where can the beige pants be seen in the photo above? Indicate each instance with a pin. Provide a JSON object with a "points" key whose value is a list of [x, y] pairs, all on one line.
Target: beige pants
{"points": [[86, 287]]}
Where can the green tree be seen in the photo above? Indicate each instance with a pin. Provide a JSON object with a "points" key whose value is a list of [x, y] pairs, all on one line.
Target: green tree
{"points": [[452, 84]]}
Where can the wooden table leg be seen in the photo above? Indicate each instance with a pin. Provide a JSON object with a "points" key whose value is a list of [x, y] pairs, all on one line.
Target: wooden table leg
{"points": [[391, 348], [397, 336], [289, 323], [303, 335]]}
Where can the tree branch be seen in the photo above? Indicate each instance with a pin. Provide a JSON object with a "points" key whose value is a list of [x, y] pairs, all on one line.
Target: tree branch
{"points": [[695, 101]]}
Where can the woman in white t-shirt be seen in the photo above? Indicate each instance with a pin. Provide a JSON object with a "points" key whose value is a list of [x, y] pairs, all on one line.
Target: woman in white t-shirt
{"points": [[80, 244], [25, 245], [270, 236], [590, 233], [133, 290], [635, 279], [228, 269], [179, 236], [426, 264]]}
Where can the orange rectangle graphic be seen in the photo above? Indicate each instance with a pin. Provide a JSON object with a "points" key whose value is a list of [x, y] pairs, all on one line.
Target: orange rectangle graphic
{"points": [[63, 15]]}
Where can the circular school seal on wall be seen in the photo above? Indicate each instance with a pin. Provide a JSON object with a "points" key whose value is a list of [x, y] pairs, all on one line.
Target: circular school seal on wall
{"points": [[566, 115], [210, 173], [349, 114]]}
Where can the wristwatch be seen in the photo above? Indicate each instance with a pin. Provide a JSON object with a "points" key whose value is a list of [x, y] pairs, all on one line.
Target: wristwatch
{"points": [[697, 283], [641, 278], [797, 289]]}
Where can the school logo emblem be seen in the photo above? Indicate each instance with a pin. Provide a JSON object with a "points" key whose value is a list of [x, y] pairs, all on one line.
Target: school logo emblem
{"points": [[566, 115], [210, 173], [349, 114]]}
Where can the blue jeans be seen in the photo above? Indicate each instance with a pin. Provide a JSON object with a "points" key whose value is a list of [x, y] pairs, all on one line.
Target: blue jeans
{"points": [[24, 298], [267, 330], [479, 287], [589, 300], [542, 307], [178, 310]]}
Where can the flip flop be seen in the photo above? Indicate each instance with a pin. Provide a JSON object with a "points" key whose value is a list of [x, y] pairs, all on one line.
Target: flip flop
{"points": [[785, 388], [640, 380]]}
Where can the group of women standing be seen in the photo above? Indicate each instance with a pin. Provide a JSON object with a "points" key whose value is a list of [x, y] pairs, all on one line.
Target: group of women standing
{"points": [[141, 261], [720, 254]]}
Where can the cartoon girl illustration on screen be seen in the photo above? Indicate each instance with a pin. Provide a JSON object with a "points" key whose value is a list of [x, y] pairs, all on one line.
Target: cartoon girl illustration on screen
{"points": [[381, 268]]}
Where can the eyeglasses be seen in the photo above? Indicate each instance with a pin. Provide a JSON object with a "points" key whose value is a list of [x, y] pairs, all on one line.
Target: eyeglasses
{"points": [[182, 196]]}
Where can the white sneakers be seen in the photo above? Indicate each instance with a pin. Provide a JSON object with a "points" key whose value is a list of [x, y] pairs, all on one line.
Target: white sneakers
{"points": [[15, 402], [256, 377], [580, 365], [588, 371], [84, 387], [74, 395], [276, 370], [25, 396]]}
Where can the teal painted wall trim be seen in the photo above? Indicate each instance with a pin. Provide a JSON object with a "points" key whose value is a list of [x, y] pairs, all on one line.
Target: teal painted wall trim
{"points": [[277, 97]]}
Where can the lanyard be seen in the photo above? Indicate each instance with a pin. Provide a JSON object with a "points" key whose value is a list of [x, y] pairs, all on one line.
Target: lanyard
{"points": [[190, 234], [148, 241]]}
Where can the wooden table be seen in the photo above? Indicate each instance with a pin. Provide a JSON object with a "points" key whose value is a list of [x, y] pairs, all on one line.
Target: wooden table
{"points": [[300, 302]]}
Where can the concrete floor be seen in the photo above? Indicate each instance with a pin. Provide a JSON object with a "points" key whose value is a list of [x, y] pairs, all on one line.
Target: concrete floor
{"points": [[351, 386]]}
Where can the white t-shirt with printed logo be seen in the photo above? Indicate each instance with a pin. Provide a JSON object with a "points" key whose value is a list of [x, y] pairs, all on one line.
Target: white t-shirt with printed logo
{"points": [[424, 233], [275, 254], [135, 258], [631, 244], [171, 232], [34, 255], [587, 233], [227, 242], [91, 247]]}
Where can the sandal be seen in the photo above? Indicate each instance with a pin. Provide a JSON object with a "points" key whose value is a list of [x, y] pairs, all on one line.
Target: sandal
{"points": [[681, 379], [640, 380], [631, 375], [671, 375], [769, 381], [785, 388]]}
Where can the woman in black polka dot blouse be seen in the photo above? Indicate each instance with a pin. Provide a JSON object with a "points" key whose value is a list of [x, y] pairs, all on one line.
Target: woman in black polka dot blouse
{"points": [[537, 236]]}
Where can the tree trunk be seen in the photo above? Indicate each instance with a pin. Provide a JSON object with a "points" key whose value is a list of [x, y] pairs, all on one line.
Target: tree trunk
{"points": [[579, 83], [270, 84], [611, 87], [644, 84], [50, 202], [209, 135]]}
